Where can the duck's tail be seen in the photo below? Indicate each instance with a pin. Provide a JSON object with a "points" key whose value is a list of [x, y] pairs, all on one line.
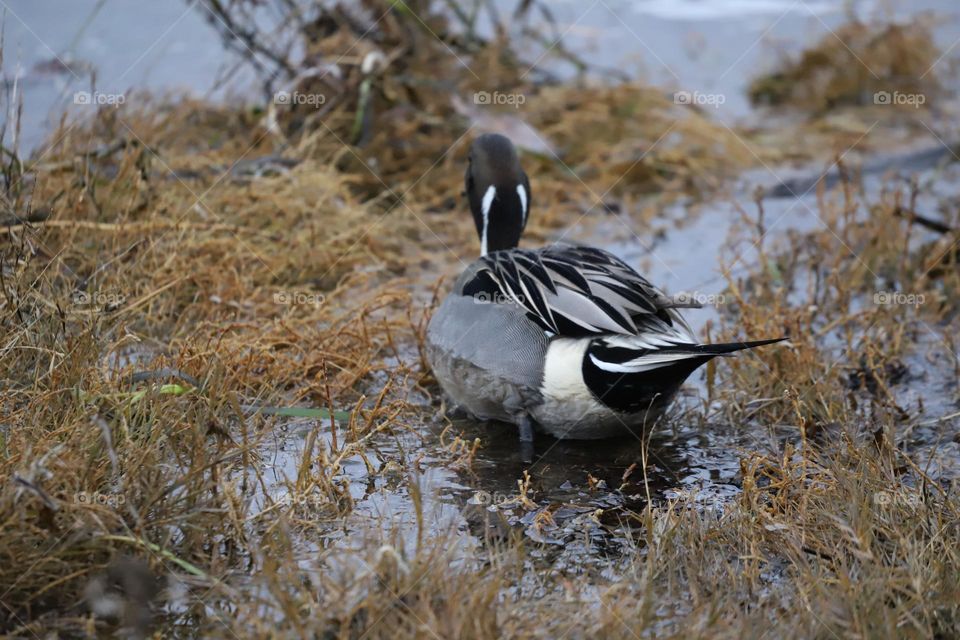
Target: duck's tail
{"points": [[626, 377], [620, 356], [724, 348]]}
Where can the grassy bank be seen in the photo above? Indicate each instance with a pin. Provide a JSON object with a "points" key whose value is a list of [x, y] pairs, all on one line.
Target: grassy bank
{"points": [[180, 278]]}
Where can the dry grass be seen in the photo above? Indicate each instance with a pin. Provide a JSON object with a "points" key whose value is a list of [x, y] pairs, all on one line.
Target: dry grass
{"points": [[848, 66], [311, 288]]}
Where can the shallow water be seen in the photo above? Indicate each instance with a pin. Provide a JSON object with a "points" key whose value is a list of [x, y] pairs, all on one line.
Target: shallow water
{"points": [[582, 498], [714, 47], [705, 461], [710, 47]]}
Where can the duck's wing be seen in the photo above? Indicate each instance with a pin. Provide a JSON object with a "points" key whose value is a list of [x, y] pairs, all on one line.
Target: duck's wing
{"points": [[580, 291]]}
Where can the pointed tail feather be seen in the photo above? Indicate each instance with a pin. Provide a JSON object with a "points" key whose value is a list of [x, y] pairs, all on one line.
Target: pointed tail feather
{"points": [[626, 377], [622, 359], [725, 348]]}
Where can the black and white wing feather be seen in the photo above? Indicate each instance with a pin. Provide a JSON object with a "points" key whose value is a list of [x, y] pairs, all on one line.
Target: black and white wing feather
{"points": [[581, 292], [634, 345]]}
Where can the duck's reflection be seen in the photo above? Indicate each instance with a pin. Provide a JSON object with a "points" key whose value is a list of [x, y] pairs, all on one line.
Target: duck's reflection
{"points": [[562, 469]]}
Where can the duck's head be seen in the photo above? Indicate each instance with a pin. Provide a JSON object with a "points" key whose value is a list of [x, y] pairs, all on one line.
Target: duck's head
{"points": [[498, 191]]}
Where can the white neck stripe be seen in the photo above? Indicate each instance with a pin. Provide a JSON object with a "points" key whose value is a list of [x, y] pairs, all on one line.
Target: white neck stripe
{"points": [[523, 203], [485, 208]]}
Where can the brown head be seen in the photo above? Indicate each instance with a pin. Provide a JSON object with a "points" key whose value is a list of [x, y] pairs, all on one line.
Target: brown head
{"points": [[498, 191]]}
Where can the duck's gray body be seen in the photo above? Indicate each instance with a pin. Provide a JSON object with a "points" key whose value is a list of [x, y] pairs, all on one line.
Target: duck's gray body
{"points": [[492, 367], [468, 358]]}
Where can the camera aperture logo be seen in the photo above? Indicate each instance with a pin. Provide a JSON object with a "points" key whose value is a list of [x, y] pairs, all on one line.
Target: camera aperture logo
{"points": [[291, 98], [514, 100]]}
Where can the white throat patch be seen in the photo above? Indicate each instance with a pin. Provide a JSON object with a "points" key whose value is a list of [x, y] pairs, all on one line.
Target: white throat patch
{"points": [[523, 203], [485, 209]]}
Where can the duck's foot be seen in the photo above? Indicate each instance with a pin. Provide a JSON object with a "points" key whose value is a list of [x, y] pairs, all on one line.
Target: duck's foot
{"points": [[454, 411], [525, 425]]}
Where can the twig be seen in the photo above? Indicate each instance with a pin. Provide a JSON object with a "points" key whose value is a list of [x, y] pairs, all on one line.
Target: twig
{"points": [[131, 226], [165, 372], [923, 221]]}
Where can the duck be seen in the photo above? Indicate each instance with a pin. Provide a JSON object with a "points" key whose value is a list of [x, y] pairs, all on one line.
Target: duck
{"points": [[565, 340]]}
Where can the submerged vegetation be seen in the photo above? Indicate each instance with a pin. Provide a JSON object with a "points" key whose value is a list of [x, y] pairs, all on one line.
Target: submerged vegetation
{"points": [[217, 420]]}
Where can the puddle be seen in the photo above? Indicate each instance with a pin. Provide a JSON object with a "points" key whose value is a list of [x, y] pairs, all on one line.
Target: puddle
{"points": [[383, 510]]}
